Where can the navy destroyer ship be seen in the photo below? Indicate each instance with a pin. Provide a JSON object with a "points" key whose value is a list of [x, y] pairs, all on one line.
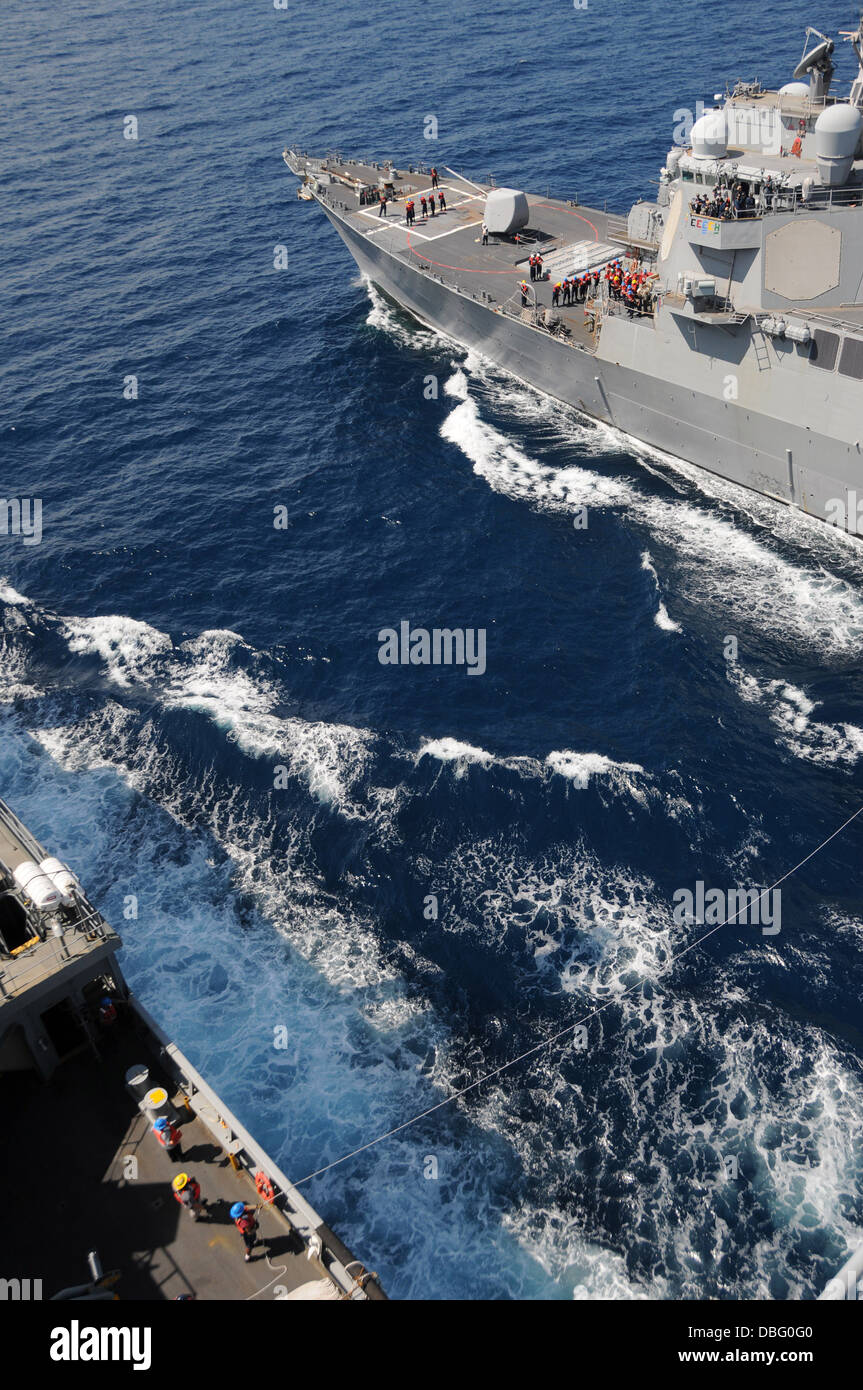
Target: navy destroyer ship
{"points": [[742, 353], [88, 1079]]}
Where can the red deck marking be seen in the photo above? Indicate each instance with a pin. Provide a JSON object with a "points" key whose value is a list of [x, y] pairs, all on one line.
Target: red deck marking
{"points": [[570, 213]]}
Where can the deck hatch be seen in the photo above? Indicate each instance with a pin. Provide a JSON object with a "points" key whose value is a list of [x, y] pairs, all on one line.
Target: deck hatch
{"points": [[824, 349], [851, 360]]}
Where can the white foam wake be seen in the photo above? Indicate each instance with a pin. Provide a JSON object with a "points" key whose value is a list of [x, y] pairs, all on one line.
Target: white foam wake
{"points": [[790, 710], [407, 332], [718, 562], [661, 618], [508, 469], [576, 768]]}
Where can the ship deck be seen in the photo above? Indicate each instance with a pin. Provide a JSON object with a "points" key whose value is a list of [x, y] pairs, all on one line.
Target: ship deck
{"points": [[69, 1187], [449, 246]]}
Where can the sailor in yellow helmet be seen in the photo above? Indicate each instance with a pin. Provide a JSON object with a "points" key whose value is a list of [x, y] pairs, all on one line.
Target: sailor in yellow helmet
{"points": [[187, 1192]]}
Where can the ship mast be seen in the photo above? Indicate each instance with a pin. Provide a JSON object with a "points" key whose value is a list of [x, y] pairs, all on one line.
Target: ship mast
{"points": [[855, 38]]}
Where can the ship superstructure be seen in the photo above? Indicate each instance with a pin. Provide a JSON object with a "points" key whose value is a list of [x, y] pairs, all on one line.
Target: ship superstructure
{"points": [[744, 351]]}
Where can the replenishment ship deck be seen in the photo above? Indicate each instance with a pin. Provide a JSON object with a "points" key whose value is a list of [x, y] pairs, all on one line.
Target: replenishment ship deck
{"points": [[84, 1073]]}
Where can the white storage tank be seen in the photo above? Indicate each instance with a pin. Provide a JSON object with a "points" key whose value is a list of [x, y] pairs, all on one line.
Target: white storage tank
{"points": [[40, 889], [709, 136], [837, 135], [506, 211], [798, 333], [61, 877]]}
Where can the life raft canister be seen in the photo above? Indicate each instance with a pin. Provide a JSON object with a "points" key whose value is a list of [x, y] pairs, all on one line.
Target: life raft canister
{"points": [[263, 1186]]}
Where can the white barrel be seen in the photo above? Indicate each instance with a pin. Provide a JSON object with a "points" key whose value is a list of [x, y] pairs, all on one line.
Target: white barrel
{"points": [[61, 876], [40, 889]]}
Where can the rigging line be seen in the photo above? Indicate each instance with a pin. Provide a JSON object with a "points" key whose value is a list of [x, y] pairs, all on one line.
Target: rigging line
{"points": [[570, 1027]]}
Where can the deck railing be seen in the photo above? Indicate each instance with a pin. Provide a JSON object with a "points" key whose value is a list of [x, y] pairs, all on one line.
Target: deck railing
{"points": [[49, 954], [323, 1248]]}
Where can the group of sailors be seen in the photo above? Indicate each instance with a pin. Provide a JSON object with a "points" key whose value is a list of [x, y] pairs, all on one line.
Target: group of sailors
{"points": [[427, 205], [574, 289], [630, 287], [536, 270], [726, 203]]}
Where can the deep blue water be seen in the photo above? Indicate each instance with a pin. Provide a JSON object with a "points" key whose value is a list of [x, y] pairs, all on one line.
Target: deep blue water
{"points": [[166, 649]]}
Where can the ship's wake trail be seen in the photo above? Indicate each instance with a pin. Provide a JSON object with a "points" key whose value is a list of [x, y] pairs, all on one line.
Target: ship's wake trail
{"points": [[716, 555], [240, 923]]}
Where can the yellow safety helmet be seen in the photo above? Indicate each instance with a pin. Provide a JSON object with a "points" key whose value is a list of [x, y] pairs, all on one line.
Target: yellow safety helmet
{"points": [[180, 1181]]}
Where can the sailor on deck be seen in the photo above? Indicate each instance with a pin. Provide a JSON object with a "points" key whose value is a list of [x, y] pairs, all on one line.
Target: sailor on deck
{"points": [[187, 1192], [247, 1224], [169, 1137]]}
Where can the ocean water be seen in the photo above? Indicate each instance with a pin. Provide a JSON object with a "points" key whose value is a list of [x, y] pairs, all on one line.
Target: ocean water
{"points": [[166, 649]]}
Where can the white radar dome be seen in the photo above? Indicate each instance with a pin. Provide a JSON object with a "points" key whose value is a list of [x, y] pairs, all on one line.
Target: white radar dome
{"points": [[794, 89], [709, 136], [837, 135]]}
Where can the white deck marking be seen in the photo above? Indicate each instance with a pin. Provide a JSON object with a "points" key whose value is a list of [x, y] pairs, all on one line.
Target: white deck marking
{"points": [[460, 201], [462, 227]]}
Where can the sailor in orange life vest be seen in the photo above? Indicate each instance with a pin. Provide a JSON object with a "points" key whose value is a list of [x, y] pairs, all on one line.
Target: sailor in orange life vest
{"points": [[169, 1137], [246, 1223], [524, 293], [187, 1191]]}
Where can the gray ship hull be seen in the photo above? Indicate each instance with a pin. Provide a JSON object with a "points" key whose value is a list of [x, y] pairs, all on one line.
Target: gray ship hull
{"points": [[675, 408]]}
